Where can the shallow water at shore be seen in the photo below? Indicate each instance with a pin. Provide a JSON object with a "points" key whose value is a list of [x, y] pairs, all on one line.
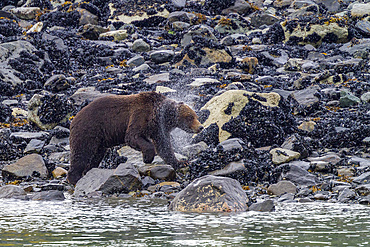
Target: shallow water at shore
{"points": [[140, 222]]}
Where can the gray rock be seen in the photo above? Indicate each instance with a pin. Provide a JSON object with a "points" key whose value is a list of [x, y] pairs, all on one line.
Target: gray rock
{"points": [[211, 194], [92, 32], [348, 99], [321, 196], [27, 136], [359, 49], [179, 16], [140, 45], [86, 94], [26, 13], [240, 7], [10, 102], [34, 146], [363, 190], [362, 179], [231, 144], [310, 65], [161, 56], [30, 165], [346, 195], [363, 27], [198, 30], [278, 61], [87, 17], [57, 83], [233, 168], [329, 158], [305, 99], [191, 151], [366, 140], [60, 157], [282, 3], [365, 200], [331, 5], [296, 143], [50, 195], [287, 198], [260, 19], [230, 26], [297, 175], [142, 68], [294, 64], [179, 3], [59, 141], [124, 178], [281, 188], [361, 162], [234, 39], [366, 97], [360, 9], [202, 81], [12, 191], [180, 25], [265, 206], [135, 61], [158, 78], [161, 172]]}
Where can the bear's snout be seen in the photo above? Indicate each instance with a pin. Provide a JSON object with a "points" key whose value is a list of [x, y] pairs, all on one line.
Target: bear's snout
{"points": [[199, 127]]}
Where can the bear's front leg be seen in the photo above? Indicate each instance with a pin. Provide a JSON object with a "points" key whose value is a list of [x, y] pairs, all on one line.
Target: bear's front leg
{"points": [[164, 149], [144, 145]]}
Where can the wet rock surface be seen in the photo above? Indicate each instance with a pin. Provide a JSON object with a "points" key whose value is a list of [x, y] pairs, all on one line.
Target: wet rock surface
{"points": [[281, 87]]}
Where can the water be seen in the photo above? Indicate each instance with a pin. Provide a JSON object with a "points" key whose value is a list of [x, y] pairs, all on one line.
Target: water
{"points": [[142, 222]]}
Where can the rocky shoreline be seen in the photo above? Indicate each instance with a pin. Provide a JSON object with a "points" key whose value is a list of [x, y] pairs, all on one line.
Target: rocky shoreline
{"points": [[282, 88]]}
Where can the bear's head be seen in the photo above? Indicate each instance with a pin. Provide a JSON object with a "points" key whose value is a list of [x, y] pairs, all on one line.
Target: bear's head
{"points": [[188, 119]]}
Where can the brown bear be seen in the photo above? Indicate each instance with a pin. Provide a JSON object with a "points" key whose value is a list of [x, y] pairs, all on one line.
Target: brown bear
{"points": [[143, 121]]}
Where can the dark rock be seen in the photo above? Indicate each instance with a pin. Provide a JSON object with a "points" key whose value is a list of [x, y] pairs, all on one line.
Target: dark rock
{"points": [[50, 195], [211, 194], [260, 19], [306, 100], [161, 172], [161, 56], [124, 178], [362, 179], [57, 83], [296, 174], [265, 206], [34, 146], [346, 195], [12, 191]]}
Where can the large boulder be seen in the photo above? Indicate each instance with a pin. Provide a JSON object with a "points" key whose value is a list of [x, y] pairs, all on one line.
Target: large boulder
{"points": [[124, 178], [30, 165], [48, 110], [211, 194], [314, 34], [229, 105]]}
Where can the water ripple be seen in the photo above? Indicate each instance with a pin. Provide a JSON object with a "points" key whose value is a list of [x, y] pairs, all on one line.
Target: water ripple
{"points": [[141, 222]]}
